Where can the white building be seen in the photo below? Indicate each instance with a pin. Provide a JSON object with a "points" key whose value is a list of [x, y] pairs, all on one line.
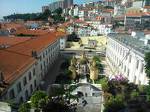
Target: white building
{"points": [[63, 43], [105, 29], [75, 10], [23, 68], [125, 55]]}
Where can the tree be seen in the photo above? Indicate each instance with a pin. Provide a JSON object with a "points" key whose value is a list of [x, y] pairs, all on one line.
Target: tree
{"points": [[114, 104], [36, 97], [58, 11], [94, 71], [76, 17], [96, 58], [147, 70], [134, 94], [74, 61], [147, 66], [73, 72], [25, 107]]}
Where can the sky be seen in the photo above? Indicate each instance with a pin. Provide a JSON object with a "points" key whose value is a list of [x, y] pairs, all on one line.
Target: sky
{"points": [[8, 7]]}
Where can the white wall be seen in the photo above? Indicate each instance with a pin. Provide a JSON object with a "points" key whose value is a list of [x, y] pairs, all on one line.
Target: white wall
{"points": [[130, 64]]}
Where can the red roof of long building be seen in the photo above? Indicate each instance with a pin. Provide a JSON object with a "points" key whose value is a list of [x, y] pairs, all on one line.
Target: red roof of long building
{"points": [[5, 40], [17, 58]]}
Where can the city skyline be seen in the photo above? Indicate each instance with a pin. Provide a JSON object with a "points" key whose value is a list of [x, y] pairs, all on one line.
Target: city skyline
{"points": [[8, 7]]}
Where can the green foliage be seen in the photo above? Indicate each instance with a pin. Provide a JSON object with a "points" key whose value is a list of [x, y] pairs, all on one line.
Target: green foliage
{"points": [[134, 94], [96, 58], [28, 16], [36, 97], [44, 15], [76, 17], [68, 72], [148, 92], [39, 16], [104, 83], [147, 66], [114, 104], [147, 70], [25, 107], [58, 11], [56, 91]]}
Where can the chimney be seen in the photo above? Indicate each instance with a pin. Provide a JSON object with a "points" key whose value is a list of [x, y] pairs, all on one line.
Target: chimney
{"points": [[34, 54], [1, 78]]}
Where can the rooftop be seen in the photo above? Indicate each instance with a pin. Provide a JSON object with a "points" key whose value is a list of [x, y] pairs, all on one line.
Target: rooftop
{"points": [[9, 41], [18, 57], [131, 42]]}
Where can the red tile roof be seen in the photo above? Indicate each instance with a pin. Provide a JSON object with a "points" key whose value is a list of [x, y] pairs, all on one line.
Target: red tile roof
{"points": [[13, 65], [146, 7], [16, 59], [32, 32], [12, 40], [12, 25]]}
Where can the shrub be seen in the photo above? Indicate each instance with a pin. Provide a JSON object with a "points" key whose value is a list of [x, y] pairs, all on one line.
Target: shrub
{"points": [[104, 83], [36, 97], [114, 104], [25, 107], [134, 94]]}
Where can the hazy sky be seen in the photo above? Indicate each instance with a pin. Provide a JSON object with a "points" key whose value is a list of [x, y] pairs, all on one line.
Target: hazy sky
{"points": [[8, 7]]}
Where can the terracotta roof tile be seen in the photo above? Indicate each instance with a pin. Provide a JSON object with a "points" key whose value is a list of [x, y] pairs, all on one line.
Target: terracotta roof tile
{"points": [[12, 40], [13, 64], [16, 59], [32, 32]]}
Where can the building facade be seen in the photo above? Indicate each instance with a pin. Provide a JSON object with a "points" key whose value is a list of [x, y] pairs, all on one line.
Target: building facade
{"points": [[124, 57], [30, 63]]}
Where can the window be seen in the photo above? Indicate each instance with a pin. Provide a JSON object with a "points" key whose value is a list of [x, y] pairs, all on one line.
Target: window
{"points": [[21, 100], [41, 67], [134, 79], [30, 76], [33, 71], [137, 64], [130, 58], [26, 95], [19, 87], [124, 68], [142, 68], [12, 94], [31, 88], [43, 55], [128, 72], [35, 83], [24, 81]]}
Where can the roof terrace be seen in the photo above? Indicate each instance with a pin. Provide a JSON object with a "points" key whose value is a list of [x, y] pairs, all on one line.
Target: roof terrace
{"points": [[130, 42]]}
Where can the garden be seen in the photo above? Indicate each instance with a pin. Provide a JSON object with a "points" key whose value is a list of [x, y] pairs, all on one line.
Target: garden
{"points": [[122, 96]]}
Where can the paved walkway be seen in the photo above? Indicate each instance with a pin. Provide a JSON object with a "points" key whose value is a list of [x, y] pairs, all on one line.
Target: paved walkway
{"points": [[93, 98]]}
